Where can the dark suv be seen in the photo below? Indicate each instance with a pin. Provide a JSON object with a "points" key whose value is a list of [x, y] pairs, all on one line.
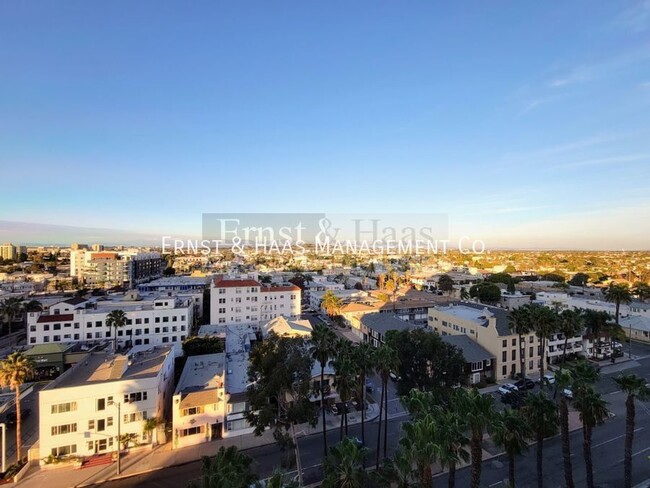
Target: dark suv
{"points": [[525, 384]]}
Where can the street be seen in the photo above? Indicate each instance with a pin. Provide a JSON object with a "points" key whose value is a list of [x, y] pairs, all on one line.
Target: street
{"points": [[607, 446]]}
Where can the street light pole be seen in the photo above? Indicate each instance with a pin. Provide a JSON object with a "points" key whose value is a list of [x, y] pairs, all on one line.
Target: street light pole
{"points": [[4, 446], [119, 445]]}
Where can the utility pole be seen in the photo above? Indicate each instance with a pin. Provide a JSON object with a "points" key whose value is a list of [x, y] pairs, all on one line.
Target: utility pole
{"points": [[298, 461]]}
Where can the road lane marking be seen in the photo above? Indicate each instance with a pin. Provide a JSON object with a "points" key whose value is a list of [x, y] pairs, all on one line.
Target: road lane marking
{"points": [[614, 438]]}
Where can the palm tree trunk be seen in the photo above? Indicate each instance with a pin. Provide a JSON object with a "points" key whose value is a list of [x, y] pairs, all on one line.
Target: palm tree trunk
{"points": [[586, 448], [541, 364], [451, 481], [322, 407], [342, 420], [540, 459], [566, 446], [386, 417], [363, 407], [381, 409], [477, 458], [428, 476], [629, 439], [511, 470], [346, 420], [522, 358], [19, 453], [566, 342]]}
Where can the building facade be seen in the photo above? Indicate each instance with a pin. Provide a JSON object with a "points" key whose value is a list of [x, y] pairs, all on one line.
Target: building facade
{"points": [[82, 410]]}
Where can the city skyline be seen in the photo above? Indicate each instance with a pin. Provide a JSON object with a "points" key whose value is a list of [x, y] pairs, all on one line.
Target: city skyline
{"points": [[532, 135]]}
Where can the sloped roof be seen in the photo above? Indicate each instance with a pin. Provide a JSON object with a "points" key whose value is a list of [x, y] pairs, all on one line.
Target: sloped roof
{"points": [[383, 322], [473, 352], [282, 326], [55, 318]]}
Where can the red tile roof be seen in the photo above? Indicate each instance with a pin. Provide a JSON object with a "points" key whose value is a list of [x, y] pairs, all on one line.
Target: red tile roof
{"points": [[235, 283], [56, 318], [281, 288], [104, 255]]}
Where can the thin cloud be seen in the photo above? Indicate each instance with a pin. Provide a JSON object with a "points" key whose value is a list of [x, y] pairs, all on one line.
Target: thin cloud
{"points": [[605, 161], [509, 210], [635, 18]]}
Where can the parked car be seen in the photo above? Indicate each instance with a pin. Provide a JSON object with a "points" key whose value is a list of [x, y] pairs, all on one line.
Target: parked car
{"points": [[507, 389], [525, 384], [515, 399], [334, 409], [369, 386], [357, 442], [568, 393], [548, 378], [393, 376]]}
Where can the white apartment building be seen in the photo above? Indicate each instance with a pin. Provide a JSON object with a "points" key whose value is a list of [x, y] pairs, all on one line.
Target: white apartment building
{"points": [[151, 320], [81, 411], [199, 403], [246, 301], [115, 268]]}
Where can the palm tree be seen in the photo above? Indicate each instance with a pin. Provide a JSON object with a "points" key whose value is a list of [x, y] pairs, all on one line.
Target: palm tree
{"points": [[519, 323], [116, 319], [400, 468], [276, 481], [569, 324], [150, 425], [9, 309], [343, 466], [228, 469], [331, 303], [635, 388], [511, 431], [641, 290], [419, 442], [478, 411], [386, 360], [323, 340], [595, 323], [593, 411], [543, 321], [619, 293], [15, 370], [345, 382], [563, 380], [364, 358], [542, 418], [32, 306], [451, 442]]}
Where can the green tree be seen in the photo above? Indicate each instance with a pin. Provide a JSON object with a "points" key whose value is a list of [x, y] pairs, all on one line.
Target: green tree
{"points": [[570, 323], [486, 292], [618, 294], [451, 443], [150, 425], [445, 283], [15, 370], [322, 349], [343, 466], [511, 431], [641, 290], [635, 388], [386, 360], [116, 319], [541, 415], [519, 323], [427, 362], [579, 279], [596, 323], [364, 357], [419, 442], [544, 322], [345, 382], [197, 346], [593, 411], [478, 411], [564, 380], [9, 310], [228, 469]]}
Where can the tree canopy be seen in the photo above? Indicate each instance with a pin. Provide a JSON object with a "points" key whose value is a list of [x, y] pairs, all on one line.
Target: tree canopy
{"points": [[195, 346]]}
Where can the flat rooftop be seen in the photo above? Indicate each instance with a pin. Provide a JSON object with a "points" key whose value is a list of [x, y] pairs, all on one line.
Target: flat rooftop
{"points": [[202, 372], [99, 367], [466, 313]]}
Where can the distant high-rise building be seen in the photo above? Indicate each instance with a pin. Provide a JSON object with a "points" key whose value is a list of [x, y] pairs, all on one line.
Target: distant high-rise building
{"points": [[77, 247], [115, 268], [8, 251], [97, 247]]}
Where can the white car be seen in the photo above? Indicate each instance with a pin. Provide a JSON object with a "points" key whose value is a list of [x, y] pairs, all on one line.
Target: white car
{"points": [[507, 388], [548, 379], [568, 393]]}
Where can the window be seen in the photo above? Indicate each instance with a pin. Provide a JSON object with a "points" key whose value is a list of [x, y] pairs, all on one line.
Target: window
{"points": [[504, 370], [504, 343], [135, 417], [478, 366], [64, 407], [193, 411], [109, 422], [193, 431], [504, 356], [56, 327], [135, 397], [101, 404], [101, 425], [64, 429], [514, 354], [514, 342], [56, 338], [91, 425], [64, 450], [165, 319], [98, 323]]}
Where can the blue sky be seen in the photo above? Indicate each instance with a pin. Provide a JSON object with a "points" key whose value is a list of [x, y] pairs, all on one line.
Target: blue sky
{"points": [[527, 122]]}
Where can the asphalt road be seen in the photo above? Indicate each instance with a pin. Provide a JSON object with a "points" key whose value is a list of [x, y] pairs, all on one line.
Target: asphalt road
{"points": [[608, 442]]}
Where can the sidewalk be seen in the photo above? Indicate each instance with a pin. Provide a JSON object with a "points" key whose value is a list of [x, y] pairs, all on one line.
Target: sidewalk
{"points": [[146, 460]]}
